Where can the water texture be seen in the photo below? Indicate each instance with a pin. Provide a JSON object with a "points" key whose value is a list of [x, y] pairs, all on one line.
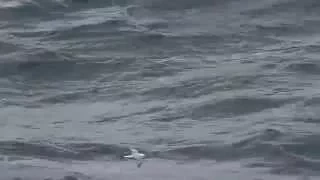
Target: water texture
{"points": [[207, 89]]}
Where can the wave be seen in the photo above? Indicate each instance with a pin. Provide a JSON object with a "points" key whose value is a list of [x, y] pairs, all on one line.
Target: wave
{"points": [[180, 4], [280, 29], [304, 67], [17, 10], [234, 107], [33, 60], [47, 150], [15, 3], [43, 63], [258, 143], [273, 146], [7, 48], [91, 151], [285, 6], [59, 4], [34, 8]]}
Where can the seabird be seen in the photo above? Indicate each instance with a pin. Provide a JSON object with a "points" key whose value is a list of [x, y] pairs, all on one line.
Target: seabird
{"points": [[136, 156]]}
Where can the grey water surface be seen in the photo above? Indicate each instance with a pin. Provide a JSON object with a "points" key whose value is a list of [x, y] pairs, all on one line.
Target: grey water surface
{"points": [[207, 89]]}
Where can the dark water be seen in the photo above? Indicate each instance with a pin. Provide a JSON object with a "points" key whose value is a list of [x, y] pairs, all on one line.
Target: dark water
{"points": [[208, 89]]}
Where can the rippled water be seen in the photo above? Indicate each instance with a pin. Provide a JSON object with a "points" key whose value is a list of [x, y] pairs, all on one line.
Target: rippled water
{"points": [[208, 89]]}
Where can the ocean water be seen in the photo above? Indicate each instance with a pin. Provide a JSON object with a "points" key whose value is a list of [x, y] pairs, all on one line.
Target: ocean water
{"points": [[207, 89]]}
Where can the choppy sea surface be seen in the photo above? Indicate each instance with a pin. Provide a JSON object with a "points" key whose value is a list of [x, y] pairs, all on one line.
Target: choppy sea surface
{"points": [[207, 89]]}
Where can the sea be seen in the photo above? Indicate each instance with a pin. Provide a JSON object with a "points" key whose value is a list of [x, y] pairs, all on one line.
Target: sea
{"points": [[206, 89]]}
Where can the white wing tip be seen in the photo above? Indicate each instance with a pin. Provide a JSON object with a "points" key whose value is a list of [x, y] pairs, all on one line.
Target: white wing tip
{"points": [[128, 156]]}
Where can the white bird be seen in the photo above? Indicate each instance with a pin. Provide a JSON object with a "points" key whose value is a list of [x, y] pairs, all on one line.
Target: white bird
{"points": [[136, 156]]}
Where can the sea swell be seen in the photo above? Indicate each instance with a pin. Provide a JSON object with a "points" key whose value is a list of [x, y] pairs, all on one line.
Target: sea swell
{"points": [[192, 84], [270, 145]]}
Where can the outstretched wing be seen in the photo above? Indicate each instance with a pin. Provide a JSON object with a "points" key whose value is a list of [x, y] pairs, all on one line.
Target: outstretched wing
{"points": [[129, 156], [133, 151]]}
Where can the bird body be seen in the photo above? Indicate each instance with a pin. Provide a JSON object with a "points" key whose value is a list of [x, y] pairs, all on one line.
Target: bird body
{"points": [[136, 156]]}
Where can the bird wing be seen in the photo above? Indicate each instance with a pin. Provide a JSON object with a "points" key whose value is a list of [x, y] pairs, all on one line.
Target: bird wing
{"points": [[133, 151], [129, 156]]}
